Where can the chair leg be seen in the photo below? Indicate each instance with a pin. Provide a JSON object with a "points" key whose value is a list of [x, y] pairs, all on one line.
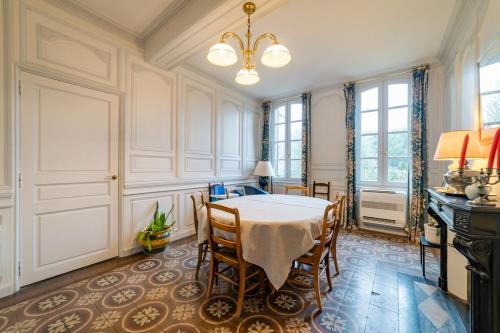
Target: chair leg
{"points": [[211, 276], [205, 252], [316, 287], [198, 264], [328, 277], [241, 291], [334, 255], [423, 261]]}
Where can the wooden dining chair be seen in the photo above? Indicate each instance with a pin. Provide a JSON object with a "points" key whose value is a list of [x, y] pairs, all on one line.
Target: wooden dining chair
{"points": [[228, 251], [322, 189], [199, 202], [304, 189], [317, 260], [340, 198]]}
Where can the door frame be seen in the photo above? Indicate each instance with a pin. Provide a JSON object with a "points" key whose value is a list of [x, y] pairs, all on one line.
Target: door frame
{"points": [[16, 98]]}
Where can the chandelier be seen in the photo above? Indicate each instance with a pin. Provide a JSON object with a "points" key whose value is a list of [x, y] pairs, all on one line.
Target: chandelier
{"points": [[223, 54]]}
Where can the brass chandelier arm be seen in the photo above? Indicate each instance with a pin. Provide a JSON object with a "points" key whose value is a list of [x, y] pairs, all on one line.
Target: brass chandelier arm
{"points": [[235, 36], [261, 38]]}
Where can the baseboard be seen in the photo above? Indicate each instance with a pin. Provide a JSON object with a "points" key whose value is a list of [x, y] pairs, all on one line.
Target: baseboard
{"points": [[6, 290]]}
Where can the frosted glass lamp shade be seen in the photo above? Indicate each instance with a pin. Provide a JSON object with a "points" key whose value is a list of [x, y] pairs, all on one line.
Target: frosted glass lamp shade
{"points": [[450, 146], [276, 56], [247, 77], [222, 54], [264, 168]]}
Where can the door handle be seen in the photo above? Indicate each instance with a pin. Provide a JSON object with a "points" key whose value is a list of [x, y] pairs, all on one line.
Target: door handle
{"points": [[113, 177]]}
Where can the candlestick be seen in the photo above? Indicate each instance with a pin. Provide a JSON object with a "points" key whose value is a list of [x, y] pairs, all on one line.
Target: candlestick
{"points": [[493, 150], [464, 150]]}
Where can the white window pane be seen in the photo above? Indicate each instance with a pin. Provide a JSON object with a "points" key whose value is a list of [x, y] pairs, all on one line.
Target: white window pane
{"points": [[369, 170], [397, 144], [490, 109], [369, 99], [280, 168], [296, 149], [279, 114], [295, 111], [295, 169], [397, 170], [274, 152], [296, 131], [369, 122], [489, 77], [369, 146], [398, 94], [398, 119], [280, 147], [279, 132]]}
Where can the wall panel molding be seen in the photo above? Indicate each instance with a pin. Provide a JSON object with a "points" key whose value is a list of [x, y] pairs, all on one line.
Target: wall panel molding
{"points": [[47, 42]]}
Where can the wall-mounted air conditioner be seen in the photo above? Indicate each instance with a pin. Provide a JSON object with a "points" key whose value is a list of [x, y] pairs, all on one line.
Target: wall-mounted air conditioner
{"points": [[382, 208]]}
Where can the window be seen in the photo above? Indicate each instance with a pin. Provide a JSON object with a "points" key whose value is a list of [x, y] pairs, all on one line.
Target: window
{"points": [[490, 94], [382, 128], [286, 140]]}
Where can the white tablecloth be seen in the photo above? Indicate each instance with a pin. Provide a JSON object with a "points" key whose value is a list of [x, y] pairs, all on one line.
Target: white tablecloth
{"points": [[275, 229]]}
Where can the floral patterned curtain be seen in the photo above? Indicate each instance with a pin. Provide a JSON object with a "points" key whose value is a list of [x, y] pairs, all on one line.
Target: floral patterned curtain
{"points": [[266, 108], [418, 151], [350, 121], [306, 138]]}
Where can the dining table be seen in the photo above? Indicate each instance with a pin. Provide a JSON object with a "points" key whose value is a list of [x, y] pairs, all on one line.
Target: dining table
{"points": [[275, 229]]}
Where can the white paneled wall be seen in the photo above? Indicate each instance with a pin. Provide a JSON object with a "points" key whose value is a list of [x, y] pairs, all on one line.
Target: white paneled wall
{"points": [[178, 130]]}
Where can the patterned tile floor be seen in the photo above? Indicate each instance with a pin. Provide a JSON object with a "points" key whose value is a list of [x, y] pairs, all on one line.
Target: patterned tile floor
{"points": [[379, 289]]}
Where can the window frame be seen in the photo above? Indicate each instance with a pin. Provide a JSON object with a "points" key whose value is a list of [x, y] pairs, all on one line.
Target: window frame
{"points": [[383, 132], [288, 141]]}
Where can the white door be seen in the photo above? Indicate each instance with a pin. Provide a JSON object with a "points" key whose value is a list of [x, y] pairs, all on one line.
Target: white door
{"points": [[68, 166]]}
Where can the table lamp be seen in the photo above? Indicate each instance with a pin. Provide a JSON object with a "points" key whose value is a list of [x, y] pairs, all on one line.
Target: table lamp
{"points": [[456, 146], [264, 169]]}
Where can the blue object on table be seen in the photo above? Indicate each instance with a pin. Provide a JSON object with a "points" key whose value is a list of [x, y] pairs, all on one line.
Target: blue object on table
{"points": [[216, 191]]}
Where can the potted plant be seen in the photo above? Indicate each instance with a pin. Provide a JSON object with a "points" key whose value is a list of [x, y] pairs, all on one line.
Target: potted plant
{"points": [[432, 231], [155, 236]]}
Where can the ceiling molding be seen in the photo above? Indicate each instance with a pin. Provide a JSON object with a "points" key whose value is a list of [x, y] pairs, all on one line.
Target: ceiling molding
{"points": [[173, 9], [94, 18], [462, 28], [169, 50]]}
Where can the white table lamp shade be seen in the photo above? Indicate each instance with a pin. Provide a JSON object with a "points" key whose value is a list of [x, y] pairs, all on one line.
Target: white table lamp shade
{"points": [[264, 168]]}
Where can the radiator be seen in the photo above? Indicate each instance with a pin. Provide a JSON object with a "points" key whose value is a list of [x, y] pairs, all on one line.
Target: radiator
{"points": [[384, 208]]}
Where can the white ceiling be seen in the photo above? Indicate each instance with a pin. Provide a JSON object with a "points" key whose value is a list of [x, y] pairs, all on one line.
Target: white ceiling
{"points": [[134, 16], [334, 41]]}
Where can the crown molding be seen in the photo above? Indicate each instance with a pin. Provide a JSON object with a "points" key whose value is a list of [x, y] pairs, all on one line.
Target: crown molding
{"points": [[96, 18], [169, 47], [462, 28], [168, 14]]}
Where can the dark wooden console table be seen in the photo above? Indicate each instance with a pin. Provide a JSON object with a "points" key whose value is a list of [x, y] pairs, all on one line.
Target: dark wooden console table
{"points": [[477, 237]]}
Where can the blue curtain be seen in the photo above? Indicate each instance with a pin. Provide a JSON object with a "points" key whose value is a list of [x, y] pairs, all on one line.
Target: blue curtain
{"points": [[306, 138], [266, 109], [418, 151], [350, 122]]}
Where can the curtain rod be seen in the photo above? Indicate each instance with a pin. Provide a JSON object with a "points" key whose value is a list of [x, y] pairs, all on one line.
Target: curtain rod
{"points": [[389, 75]]}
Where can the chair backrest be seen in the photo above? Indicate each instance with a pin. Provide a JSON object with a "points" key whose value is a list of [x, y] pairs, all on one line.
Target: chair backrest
{"points": [[328, 228], [198, 200], [216, 188], [324, 189], [340, 198], [214, 240], [305, 190]]}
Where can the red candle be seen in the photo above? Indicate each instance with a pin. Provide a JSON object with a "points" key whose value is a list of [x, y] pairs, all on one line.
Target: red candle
{"points": [[464, 150], [493, 150]]}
